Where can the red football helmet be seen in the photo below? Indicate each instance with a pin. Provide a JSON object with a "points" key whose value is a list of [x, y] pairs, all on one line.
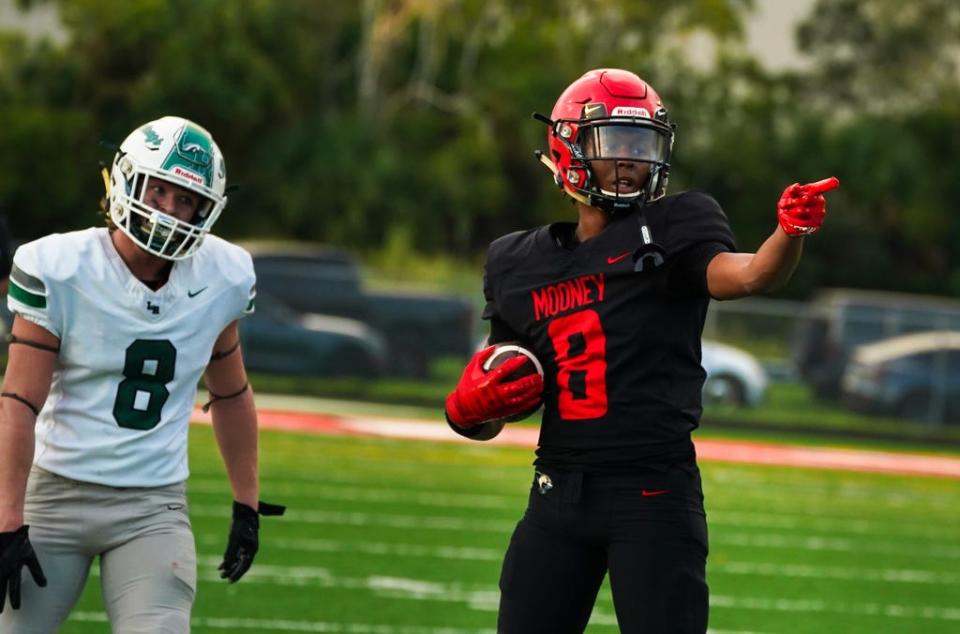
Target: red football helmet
{"points": [[609, 115]]}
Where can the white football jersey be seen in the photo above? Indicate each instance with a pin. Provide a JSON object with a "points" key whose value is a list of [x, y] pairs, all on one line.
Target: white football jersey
{"points": [[130, 358]]}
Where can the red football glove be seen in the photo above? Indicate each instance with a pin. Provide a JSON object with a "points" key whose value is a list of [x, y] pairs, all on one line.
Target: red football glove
{"points": [[801, 208], [483, 397]]}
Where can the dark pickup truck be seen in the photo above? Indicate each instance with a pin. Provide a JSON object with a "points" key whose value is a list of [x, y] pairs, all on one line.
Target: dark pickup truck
{"points": [[839, 320], [417, 327]]}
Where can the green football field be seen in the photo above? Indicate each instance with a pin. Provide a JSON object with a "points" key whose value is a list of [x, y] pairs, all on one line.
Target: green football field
{"points": [[406, 537]]}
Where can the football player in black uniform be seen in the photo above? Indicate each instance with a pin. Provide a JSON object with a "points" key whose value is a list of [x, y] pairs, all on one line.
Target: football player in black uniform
{"points": [[613, 305]]}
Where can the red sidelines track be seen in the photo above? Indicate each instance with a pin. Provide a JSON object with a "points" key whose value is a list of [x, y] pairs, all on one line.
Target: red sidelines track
{"points": [[707, 450]]}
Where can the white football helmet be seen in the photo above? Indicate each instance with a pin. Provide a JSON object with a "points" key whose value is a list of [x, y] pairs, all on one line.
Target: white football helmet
{"points": [[178, 151]]}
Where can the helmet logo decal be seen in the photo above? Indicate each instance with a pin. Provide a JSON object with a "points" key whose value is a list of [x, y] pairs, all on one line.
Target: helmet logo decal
{"points": [[192, 157], [594, 111], [187, 174], [194, 147], [150, 138], [629, 111]]}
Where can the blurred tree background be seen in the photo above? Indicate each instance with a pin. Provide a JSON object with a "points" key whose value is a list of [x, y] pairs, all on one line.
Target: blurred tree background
{"points": [[404, 125]]}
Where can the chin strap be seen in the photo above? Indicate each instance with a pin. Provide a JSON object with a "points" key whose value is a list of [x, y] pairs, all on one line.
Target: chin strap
{"points": [[638, 200], [650, 256]]}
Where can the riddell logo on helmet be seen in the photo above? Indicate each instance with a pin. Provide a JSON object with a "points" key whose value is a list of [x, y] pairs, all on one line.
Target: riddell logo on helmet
{"points": [[630, 111], [187, 174]]}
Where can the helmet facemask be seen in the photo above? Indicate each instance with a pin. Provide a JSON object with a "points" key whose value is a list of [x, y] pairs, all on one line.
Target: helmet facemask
{"points": [[625, 162], [163, 234]]}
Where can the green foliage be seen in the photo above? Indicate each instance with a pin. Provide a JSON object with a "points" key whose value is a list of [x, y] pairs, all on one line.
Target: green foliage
{"points": [[375, 124], [883, 55], [792, 407]]}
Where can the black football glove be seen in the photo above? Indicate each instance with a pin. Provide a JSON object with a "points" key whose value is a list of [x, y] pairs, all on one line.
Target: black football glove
{"points": [[15, 553], [244, 539]]}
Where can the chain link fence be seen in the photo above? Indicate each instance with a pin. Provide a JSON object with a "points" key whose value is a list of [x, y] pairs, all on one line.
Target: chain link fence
{"points": [[888, 354]]}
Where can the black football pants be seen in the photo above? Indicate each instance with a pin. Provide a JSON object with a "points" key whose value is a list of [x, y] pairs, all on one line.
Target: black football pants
{"points": [[648, 530]]}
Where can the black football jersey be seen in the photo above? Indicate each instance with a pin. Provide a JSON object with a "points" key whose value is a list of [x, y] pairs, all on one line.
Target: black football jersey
{"points": [[620, 349]]}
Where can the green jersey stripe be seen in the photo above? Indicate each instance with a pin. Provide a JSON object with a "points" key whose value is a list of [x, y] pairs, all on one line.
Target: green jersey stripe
{"points": [[26, 297]]}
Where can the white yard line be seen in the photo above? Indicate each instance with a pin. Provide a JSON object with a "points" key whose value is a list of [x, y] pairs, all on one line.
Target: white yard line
{"points": [[486, 597], [388, 520], [781, 519], [892, 610], [458, 553], [484, 525], [806, 523], [385, 549], [287, 625], [844, 573], [407, 495], [833, 544]]}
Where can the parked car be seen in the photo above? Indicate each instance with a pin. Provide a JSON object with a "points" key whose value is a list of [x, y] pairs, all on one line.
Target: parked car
{"points": [[734, 376], [278, 340], [417, 327], [915, 376], [839, 320]]}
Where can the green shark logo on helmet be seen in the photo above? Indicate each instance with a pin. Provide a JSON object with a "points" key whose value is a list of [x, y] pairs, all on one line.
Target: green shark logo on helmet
{"points": [[192, 157], [151, 138]]}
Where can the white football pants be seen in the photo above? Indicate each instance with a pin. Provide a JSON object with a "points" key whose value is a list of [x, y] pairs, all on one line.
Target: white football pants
{"points": [[148, 559]]}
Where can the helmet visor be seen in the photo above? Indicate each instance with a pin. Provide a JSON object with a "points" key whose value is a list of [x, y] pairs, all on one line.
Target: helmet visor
{"points": [[622, 141]]}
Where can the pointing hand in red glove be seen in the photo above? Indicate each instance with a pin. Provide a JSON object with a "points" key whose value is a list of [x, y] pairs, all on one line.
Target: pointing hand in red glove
{"points": [[482, 397], [801, 208]]}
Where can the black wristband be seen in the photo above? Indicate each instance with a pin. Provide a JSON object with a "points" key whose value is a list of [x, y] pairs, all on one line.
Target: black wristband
{"points": [[267, 510], [243, 511]]}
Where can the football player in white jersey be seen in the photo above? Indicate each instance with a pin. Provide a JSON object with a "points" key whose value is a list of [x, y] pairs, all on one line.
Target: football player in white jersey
{"points": [[113, 328]]}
